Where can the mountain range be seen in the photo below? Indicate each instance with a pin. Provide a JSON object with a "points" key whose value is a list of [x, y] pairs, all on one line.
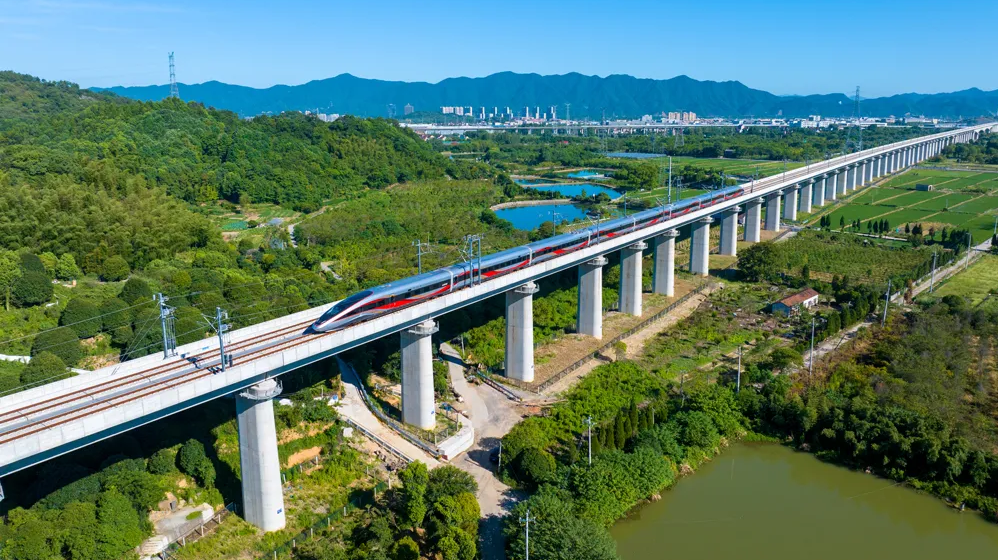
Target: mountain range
{"points": [[589, 96]]}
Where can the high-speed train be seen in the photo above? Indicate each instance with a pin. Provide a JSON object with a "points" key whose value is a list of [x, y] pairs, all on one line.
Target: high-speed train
{"points": [[387, 298]]}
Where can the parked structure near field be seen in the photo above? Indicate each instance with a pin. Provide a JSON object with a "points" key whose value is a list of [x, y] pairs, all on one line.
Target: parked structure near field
{"points": [[792, 305]]}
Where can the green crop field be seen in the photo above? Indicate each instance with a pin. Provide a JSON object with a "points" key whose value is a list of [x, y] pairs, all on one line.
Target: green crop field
{"points": [[975, 283], [908, 199], [943, 201], [853, 212], [980, 205], [871, 196], [906, 216], [962, 183]]}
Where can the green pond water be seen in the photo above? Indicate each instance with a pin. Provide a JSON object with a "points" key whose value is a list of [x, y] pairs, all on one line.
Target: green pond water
{"points": [[767, 502]]}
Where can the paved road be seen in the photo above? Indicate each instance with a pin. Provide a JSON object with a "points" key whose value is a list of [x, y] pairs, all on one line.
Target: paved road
{"points": [[492, 415], [353, 407]]}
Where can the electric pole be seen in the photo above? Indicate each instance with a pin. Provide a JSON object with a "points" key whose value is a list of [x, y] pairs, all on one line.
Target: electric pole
{"points": [[887, 303], [526, 520], [166, 322], [932, 277], [810, 365], [221, 328], [738, 382], [969, 249], [589, 425], [418, 244]]}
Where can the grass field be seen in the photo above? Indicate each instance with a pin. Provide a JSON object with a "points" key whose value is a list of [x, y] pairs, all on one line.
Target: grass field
{"points": [[975, 283], [744, 167], [956, 201]]}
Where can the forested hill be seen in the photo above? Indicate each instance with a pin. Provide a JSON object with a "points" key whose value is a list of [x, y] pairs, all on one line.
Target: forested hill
{"points": [[618, 95], [199, 154]]}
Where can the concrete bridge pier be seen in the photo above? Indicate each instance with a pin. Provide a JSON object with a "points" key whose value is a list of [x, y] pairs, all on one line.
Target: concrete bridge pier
{"points": [[589, 320], [700, 247], [753, 220], [773, 211], [520, 332], [790, 204], [630, 278], [664, 271], [845, 184], [417, 376], [821, 188], [807, 187], [260, 465], [832, 185], [729, 232], [861, 179]]}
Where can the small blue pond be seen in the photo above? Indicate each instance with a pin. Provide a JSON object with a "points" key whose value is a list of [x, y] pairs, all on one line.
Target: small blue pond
{"points": [[530, 217], [576, 190], [584, 174]]}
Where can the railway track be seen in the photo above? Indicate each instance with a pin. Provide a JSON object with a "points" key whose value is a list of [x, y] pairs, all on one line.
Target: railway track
{"points": [[203, 369]]}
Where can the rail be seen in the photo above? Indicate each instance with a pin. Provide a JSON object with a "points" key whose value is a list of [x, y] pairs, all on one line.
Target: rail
{"points": [[629, 332]]}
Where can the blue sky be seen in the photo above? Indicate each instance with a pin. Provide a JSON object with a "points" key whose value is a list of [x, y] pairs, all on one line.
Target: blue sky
{"points": [[786, 47]]}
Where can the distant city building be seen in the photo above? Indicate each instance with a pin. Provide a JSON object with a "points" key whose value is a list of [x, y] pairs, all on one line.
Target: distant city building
{"points": [[481, 114], [674, 115], [689, 117], [552, 112], [447, 110], [408, 109], [526, 111], [646, 118], [537, 113], [327, 118]]}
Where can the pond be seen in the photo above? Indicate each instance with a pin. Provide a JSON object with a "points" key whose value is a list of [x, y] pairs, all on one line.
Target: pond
{"points": [[529, 217], [583, 174], [634, 155], [767, 502], [577, 188]]}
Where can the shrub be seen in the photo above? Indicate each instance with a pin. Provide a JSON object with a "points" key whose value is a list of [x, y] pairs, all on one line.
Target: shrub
{"points": [[406, 549], [32, 288], [45, 365], [193, 462], [162, 462], [535, 466], [66, 269], [114, 269], [60, 341], [114, 313], [134, 291], [81, 315], [31, 263]]}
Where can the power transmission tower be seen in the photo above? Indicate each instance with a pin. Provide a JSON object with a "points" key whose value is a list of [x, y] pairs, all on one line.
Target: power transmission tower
{"points": [[568, 112], [391, 110], [174, 92], [166, 322], [679, 140], [859, 132]]}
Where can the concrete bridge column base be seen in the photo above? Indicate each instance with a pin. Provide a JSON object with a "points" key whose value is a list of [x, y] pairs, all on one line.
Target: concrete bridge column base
{"points": [[664, 271], [729, 232], [773, 211], [806, 196], [630, 278], [417, 376], [260, 465], [589, 320], [700, 247], [520, 332], [790, 204], [753, 220]]}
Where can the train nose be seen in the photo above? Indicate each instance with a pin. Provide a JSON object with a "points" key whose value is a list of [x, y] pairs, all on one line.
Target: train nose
{"points": [[310, 329]]}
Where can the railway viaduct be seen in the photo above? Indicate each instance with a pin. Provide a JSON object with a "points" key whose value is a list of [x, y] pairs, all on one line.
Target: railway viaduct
{"points": [[50, 420]]}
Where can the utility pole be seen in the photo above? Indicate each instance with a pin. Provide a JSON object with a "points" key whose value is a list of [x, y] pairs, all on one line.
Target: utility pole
{"points": [[670, 181], [932, 277], [810, 365], [221, 328], [887, 302], [418, 244], [589, 424], [474, 242], [527, 521], [738, 382], [166, 322], [969, 249]]}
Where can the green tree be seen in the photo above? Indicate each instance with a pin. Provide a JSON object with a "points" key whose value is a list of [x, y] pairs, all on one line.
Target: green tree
{"points": [[192, 461], [758, 262], [135, 290], [535, 466], [114, 314], [448, 480], [60, 341], [66, 269], [82, 316], [44, 366], [115, 269], [119, 526], [163, 461], [415, 479], [405, 549], [31, 288], [10, 271], [31, 263]]}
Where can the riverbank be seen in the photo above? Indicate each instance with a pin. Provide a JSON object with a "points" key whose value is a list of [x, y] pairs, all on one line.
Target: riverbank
{"points": [[526, 203]]}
